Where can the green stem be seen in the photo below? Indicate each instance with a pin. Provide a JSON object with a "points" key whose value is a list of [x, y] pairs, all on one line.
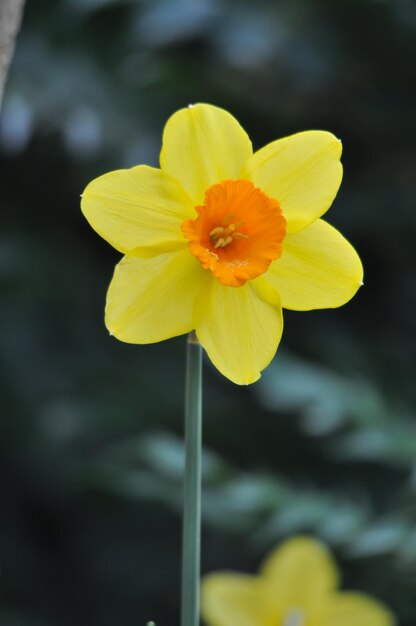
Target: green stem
{"points": [[191, 538]]}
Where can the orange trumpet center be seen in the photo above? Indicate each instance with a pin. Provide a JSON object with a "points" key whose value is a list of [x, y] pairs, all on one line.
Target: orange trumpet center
{"points": [[239, 231]]}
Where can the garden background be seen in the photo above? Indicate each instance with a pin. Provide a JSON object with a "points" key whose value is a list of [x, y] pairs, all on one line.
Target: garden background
{"points": [[91, 429]]}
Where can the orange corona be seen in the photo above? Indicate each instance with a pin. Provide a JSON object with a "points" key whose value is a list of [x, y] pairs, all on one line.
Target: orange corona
{"points": [[239, 231]]}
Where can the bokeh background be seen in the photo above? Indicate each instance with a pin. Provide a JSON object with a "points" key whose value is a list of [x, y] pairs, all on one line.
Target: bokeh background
{"points": [[91, 429]]}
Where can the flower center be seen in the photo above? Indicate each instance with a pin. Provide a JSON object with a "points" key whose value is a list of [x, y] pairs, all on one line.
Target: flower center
{"points": [[222, 236], [237, 233], [295, 617]]}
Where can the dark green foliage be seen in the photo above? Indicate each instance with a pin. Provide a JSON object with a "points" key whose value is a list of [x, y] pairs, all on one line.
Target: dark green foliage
{"points": [[90, 432]]}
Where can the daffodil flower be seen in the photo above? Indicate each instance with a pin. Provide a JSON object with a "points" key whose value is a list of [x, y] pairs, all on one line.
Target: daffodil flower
{"points": [[297, 586], [219, 239]]}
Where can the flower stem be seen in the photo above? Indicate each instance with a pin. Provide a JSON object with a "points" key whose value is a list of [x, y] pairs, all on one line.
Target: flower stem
{"points": [[191, 537]]}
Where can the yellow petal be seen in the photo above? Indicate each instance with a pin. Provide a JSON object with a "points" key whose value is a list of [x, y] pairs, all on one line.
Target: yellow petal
{"points": [[203, 145], [239, 327], [318, 269], [152, 299], [237, 600], [354, 609], [302, 571], [139, 210], [302, 172]]}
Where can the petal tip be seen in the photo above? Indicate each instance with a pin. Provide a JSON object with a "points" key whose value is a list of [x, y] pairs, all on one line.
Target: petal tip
{"points": [[251, 380]]}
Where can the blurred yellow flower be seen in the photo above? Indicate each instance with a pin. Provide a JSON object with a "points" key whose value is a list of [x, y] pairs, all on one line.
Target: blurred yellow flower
{"points": [[297, 586], [220, 239]]}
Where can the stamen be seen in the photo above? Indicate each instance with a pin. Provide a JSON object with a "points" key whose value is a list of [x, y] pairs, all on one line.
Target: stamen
{"points": [[221, 236], [218, 230], [220, 243]]}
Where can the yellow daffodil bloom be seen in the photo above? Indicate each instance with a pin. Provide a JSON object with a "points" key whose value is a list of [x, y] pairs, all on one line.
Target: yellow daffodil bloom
{"points": [[220, 239], [297, 586]]}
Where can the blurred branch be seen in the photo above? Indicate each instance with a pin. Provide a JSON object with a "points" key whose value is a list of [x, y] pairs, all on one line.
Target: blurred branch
{"points": [[10, 17], [266, 506]]}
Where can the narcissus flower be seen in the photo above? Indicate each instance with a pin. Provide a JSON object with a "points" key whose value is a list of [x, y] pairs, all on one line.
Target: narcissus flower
{"points": [[220, 239], [297, 586]]}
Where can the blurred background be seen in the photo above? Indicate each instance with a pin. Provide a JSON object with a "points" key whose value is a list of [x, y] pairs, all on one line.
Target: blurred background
{"points": [[91, 429]]}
